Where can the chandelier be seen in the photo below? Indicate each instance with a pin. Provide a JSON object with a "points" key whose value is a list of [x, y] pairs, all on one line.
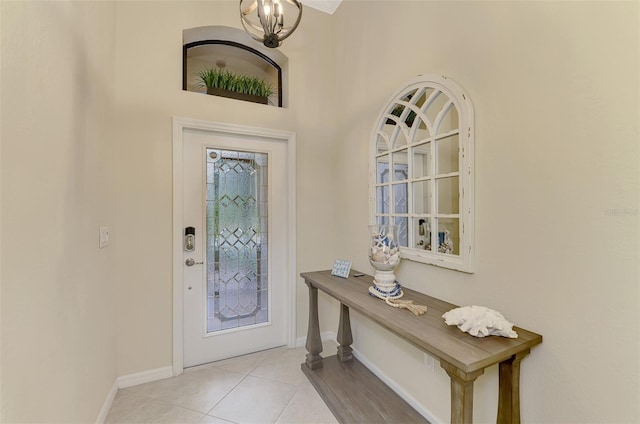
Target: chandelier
{"points": [[265, 20]]}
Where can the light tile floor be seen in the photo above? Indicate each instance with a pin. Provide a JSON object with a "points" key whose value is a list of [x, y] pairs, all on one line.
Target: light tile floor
{"points": [[263, 387]]}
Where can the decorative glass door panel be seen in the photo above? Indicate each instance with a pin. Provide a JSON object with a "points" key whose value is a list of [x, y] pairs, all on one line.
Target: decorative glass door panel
{"points": [[235, 200], [236, 213]]}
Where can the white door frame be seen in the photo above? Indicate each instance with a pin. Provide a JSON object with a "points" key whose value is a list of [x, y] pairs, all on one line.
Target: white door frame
{"points": [[218, 128]]}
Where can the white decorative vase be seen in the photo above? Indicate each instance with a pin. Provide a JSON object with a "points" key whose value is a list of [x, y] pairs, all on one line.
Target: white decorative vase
{"points": [[384, 257]]}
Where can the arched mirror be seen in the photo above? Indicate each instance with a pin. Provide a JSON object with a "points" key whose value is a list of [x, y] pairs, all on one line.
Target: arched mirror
{"points": [[422, 171]]}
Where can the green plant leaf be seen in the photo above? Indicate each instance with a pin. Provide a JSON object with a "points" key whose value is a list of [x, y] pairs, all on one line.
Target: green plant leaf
{"points": [[226, 80]]}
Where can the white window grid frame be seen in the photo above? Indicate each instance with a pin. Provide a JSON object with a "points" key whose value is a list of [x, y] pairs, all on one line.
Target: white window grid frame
{"points": [[465, 260]]}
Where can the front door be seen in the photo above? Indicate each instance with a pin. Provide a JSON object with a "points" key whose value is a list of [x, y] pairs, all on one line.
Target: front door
{"points": [[235, 252]]}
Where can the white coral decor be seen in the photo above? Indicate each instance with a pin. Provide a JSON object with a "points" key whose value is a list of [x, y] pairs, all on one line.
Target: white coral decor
{"points": [[480, 321]]}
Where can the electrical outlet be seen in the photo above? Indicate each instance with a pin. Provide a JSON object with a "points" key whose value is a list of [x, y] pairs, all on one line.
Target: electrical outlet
{"points": [[104, 237], [429, 362]]}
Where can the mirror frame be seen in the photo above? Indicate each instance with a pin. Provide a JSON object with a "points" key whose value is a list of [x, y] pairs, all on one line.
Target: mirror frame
{"points": [[464, 260]]}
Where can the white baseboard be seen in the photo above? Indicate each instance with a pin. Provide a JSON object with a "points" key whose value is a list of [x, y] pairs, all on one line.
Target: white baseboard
{"points": [[107, 403], [128, 381], [166, 372], [327, 335], [144, 377], [396, 388]]}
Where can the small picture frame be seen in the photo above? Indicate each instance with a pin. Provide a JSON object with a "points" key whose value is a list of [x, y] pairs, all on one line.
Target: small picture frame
{"points": [[341, 268]]}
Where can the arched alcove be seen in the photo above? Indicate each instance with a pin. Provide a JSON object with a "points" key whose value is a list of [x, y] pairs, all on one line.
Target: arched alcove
{"points": [[224, 52]]}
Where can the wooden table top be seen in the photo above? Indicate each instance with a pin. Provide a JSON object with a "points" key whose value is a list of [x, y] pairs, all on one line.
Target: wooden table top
{"points": [[428, 332]]}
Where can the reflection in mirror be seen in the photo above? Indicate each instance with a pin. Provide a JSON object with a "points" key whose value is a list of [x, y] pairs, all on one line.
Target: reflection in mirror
{"points": [[422, 197], [400, 108], [448, 196], [400, 198], [422, 233], [436, 106], [449, 121], [382, 220], [396, 113], [448, 236], [419, 131], [382, 197], [400, 166], [409, 116], [409, 95], [388, 131], [423, 96], [403, 236], [410, 119], [381, 144], [400, 136], [422, 160], [448, 150], [400, 206], [382, 173]]}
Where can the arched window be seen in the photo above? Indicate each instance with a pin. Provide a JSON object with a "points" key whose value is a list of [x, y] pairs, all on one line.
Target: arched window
{"points": [[226, 62], [422, 171]]}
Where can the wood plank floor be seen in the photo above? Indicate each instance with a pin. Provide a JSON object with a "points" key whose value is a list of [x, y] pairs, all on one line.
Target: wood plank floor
{"points": [[355, 395]]}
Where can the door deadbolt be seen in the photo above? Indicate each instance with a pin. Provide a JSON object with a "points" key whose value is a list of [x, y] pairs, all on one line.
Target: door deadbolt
{"points": [[189, 239], [192, 262]]}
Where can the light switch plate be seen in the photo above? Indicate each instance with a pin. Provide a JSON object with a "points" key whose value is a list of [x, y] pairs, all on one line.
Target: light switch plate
{"points": [[104, 237]]}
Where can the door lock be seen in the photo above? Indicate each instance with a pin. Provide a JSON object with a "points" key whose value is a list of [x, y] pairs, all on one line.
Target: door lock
{"points": [[189, 239], [192, 262]]}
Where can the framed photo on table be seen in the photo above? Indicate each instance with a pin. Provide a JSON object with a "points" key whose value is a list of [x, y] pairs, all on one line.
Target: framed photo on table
{"points": [[341, 268]]}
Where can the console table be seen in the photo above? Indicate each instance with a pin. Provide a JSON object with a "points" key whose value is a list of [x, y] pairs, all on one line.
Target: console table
{"points": [[462, 356]]}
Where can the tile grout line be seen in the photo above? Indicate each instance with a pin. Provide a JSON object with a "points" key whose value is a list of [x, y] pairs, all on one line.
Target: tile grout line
{"points": [[204, 414], [296, 387], [260, 361], [234, 387], [148, 398], [295, 392]]}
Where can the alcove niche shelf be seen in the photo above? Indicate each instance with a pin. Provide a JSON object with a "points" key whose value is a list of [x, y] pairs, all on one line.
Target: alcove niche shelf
{"points": [[227, 62]]}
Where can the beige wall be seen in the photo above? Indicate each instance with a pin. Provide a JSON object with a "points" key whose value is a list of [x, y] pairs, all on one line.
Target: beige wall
{"points": [[58, 344], [149, 93], [555, 91]]}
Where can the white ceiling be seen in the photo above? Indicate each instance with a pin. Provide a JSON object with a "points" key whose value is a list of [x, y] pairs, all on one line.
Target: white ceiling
{"points": [[326, 6]]}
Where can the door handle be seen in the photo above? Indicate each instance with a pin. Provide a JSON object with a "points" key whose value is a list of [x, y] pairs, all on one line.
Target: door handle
{"points": [[192, 262]]}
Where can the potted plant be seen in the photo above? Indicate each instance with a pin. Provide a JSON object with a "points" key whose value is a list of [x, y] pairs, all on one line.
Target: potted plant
{"points": [[220, 82]]}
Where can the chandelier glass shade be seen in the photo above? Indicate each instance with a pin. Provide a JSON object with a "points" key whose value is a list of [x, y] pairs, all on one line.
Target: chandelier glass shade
{"points": [[270, 21]]}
